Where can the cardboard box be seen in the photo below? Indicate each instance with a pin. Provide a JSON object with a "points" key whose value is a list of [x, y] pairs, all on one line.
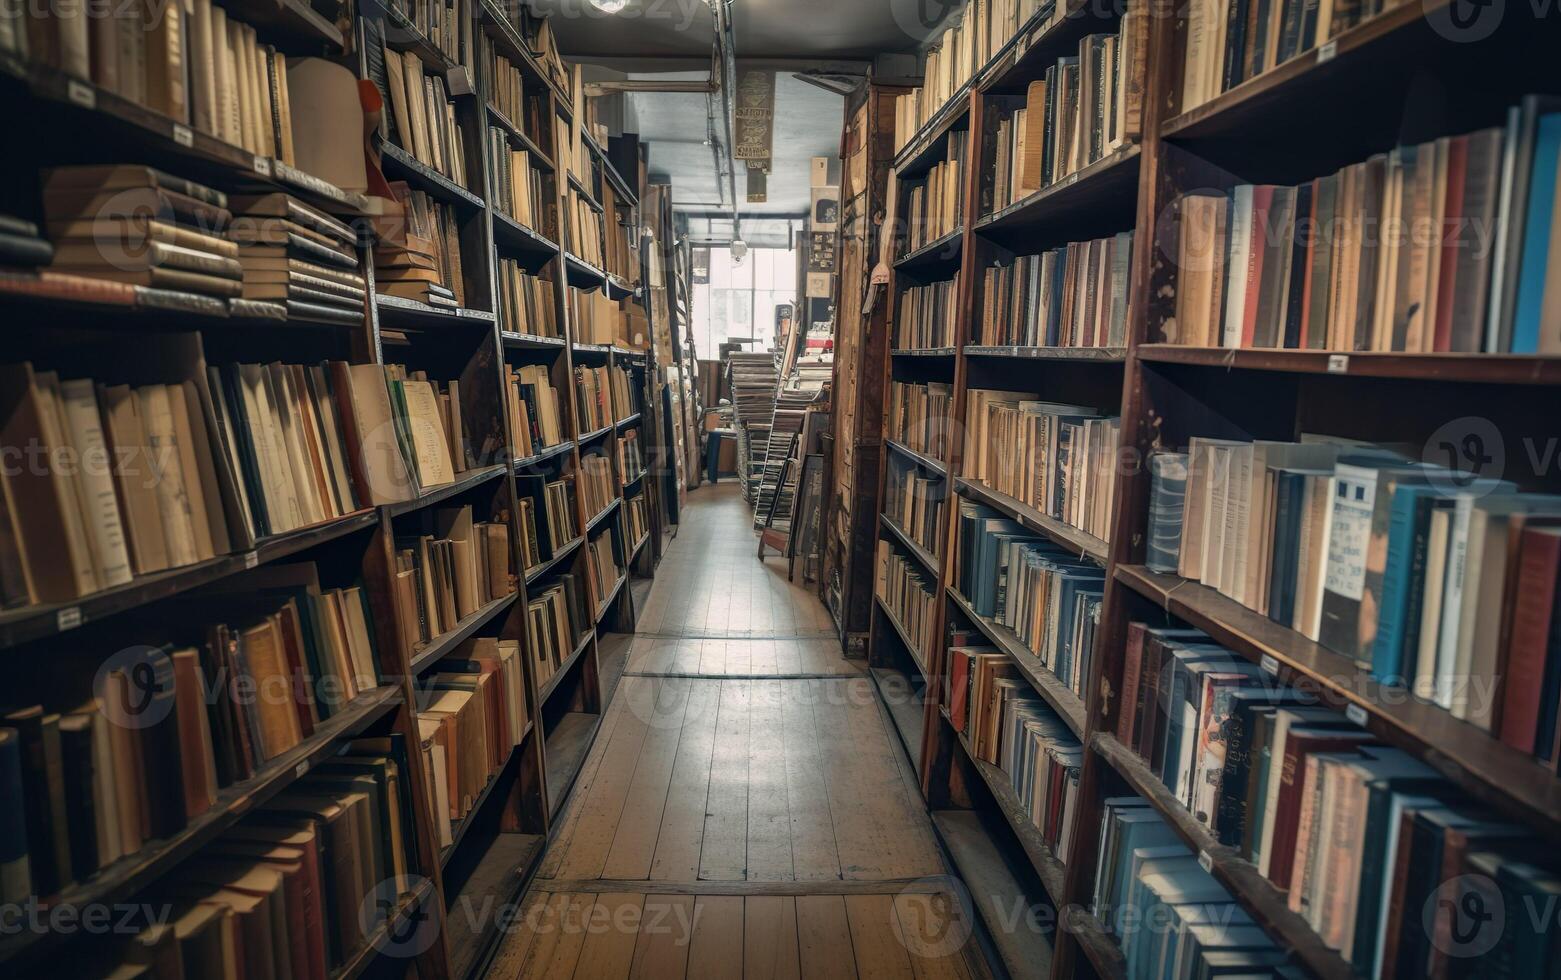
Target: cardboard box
{"points": [[820, 172]]}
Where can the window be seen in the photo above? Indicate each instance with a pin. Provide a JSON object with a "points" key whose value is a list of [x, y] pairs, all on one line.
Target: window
{"points": [[742, 298]]}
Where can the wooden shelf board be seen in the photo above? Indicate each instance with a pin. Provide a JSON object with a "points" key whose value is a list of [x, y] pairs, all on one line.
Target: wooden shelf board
{"points": [[512, 235], [928, 560], [439, 494], [134, 872], [920, 459], [1047, 867], [1081, 543], [612, 595], [550, 452], [528, 341], [497, 881], [994, 891], [930, 353], [923, 149], [1087, 355], [1268, 905], [612, 658], [907, 715], [564, 666], [1506, 369], [427, 654], [905, 636], [627, 423], [602, 515], [403, 164], [1047, 684], [944, 251], [1099, 948], [358, 963], [1050, 33], [1465, 754], [567, 746], [1106, 187], [36, 622], [458, 832], [582, 274], [409, 314], [532, 574]]}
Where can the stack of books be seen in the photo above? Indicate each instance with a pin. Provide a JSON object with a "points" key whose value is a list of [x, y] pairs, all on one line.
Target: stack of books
{"points": [[97, 782], [1165, 910], [1059, 459], [626, 395], [555, 621], [422, 116], [429, 426], [142, 226], [535, 415], [446, 575], [299, 885], [298, 256], [282, 434], [601, 562], [622, 255], [935, 205], [419, 256], [596, 317], [583, 228], [1049, 599], [593, 398], [519, 188], [1466, 264], [1074, 296], [156, 503], [639, 519], [915, 502], [558, 506], [1426, 578], [1086, 107], [471, 715], [909, 593], [927, 316], [597, 487], [507, 90], [631, 459], [1007, 726], [526, 302], [919, 416]]}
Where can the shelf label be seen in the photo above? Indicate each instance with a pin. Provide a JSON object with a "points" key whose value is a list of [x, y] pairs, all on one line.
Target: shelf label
{"points": [[1327, 51], [303, 767], [81, 93], [251, 560], [68, 618], [1338, 363], [1356, 715], [262, 165], [183, 136], [1270, 665], [1205, 861]]}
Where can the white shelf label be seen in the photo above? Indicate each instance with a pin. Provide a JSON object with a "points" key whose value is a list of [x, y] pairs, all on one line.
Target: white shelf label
{"points": [[1356, 714], [1205, 861], [81, 93], [262, 165], [1327, 51], [1270, 665], [251, 560], [68, 618], [303, 767], [183, 136], [1338, 363]]}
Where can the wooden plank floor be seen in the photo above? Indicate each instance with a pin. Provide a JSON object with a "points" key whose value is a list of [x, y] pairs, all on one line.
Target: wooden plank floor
{"points": [[745, 810]]}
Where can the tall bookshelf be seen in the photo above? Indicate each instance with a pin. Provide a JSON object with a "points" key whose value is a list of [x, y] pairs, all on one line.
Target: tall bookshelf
{"points": [[1398, 76], [497, 845]]}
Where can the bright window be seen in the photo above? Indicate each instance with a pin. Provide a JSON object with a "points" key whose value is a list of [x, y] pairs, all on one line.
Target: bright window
{"points": [[742, 298]]}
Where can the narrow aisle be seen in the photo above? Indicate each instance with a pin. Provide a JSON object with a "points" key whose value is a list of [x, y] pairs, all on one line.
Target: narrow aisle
{"points": [[746, 810]]}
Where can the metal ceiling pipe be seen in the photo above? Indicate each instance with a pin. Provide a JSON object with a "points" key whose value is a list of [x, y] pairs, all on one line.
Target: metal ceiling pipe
{"points": [[597, 89], [726, 48]]}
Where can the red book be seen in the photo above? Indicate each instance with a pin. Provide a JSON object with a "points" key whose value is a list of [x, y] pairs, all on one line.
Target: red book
{"points": [[1129, 703], [1447, 281], [1534, 591], [1262, 202], [959, 688], [1300, 743]]}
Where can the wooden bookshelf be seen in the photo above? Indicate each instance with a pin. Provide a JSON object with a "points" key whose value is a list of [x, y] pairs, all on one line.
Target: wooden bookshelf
{"points": [[76, 121], [1396, 76]]}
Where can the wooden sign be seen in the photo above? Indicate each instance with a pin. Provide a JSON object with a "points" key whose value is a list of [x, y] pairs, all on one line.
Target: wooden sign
{"points": [[754, 115]]}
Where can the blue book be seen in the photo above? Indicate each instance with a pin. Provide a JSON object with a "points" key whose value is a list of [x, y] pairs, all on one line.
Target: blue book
{"points": [[1411, 511], [1536, 236]]}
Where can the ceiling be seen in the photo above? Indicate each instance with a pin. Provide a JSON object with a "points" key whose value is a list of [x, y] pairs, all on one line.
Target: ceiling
{"points": [[673, 40]]}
